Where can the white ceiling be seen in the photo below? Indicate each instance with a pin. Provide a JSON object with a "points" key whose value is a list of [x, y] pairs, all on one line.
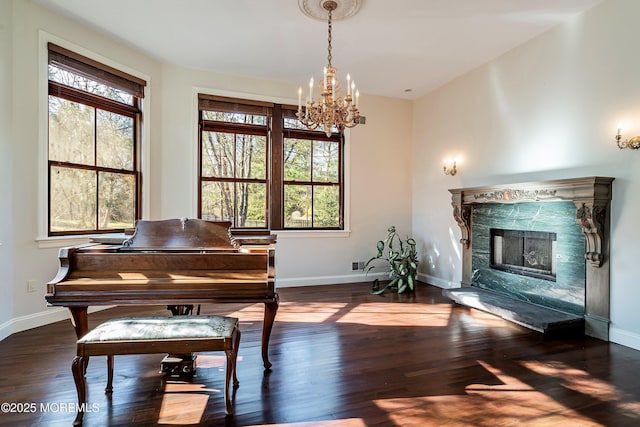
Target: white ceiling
{"points": [[389, 47]]}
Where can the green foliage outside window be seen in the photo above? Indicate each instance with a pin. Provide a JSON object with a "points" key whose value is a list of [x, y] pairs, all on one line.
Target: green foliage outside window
{"points": [[312, 193]]}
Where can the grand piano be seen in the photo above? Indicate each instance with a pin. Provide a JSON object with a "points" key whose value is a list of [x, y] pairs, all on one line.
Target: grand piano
{"points": [[177, 262]]}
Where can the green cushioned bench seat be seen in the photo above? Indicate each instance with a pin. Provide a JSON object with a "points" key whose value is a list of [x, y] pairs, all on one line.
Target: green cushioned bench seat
{"points": [[157, 334]]}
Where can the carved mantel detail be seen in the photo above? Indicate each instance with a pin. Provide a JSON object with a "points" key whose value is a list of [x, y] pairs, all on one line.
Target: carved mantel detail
{"points": [[591, 219], [462, 215], [515, 195]]}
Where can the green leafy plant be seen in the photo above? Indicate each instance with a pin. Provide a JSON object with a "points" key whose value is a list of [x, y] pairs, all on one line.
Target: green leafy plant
{"points": [[402, 259]]}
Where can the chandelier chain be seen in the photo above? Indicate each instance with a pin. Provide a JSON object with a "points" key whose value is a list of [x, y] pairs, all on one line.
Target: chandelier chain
{"points": [[329, 57]]}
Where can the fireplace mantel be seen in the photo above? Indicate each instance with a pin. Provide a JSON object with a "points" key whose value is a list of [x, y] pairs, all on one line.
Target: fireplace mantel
{"points": [[591, 196]]}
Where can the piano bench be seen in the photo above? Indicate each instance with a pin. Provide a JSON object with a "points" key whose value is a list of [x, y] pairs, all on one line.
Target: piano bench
{"points": [[156, 334]]}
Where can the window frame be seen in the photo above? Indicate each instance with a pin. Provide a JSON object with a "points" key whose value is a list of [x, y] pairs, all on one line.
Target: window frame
{"points": [[58, 239], [313, 135], [275, 147], [214, 103]]}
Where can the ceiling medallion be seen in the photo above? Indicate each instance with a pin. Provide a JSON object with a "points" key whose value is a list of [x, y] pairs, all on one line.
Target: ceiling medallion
{"points": [[315, 8]]}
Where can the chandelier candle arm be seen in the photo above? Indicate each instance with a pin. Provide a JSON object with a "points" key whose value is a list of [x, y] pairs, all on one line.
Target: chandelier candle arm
{"points": [[331, 109]]}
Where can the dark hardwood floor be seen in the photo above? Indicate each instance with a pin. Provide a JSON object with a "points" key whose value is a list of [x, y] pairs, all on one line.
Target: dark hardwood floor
{"points": [[341, 357]]}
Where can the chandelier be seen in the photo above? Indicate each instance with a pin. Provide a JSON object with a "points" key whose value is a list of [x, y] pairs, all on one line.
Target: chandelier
{"points": [[331, 109]]}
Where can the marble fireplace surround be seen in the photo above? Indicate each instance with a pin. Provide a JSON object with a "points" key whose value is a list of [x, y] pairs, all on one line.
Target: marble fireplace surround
{"points": [[592, 199]]}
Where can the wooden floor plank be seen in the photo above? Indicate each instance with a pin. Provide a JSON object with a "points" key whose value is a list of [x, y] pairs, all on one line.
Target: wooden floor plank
{"points": [[341, 357]]}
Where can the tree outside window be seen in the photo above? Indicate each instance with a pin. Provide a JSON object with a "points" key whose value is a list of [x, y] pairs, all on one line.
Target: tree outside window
{"points": [[233, 168]]}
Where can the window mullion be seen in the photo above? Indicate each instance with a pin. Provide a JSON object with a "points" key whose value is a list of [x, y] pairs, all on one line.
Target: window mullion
{"points": [[235, 182], [95, 164], [311, 180], [276, 199]]}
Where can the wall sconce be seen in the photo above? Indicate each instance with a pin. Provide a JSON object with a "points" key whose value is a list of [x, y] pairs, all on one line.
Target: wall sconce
{"points": [[449, 167], [633, 143]]}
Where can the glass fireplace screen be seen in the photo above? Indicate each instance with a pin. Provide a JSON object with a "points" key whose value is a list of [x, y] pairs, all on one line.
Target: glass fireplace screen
{"points": [[528, 253]]}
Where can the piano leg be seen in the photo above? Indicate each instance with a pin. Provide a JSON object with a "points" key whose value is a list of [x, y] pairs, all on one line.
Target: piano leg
{"points": [[79, 320], [81, 325], [270, 310], [79, 369]]}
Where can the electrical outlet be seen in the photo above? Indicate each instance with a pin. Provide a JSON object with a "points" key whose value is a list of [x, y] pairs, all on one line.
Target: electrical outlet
{"points": [[31, 286], [357, 265]]}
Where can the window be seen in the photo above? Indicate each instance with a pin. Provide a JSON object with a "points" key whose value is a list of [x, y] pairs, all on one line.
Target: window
{"points": [[260, 169], [233, 163], [93, 145], [311, 166]]}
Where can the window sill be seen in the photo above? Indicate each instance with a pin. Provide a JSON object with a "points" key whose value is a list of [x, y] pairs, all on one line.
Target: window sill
{"points": [[307, 234], [116, 238], [64, 241]]}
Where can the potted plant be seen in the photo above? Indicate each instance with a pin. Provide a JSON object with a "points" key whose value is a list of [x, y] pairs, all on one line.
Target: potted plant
{"points": [[402, 259]]}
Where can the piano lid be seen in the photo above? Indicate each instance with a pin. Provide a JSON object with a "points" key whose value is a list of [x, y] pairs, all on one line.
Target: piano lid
{"points": [[180, 233]]}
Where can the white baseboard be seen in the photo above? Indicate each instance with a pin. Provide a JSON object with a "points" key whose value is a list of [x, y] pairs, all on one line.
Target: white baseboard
{"points": [[329, 280], [358, 277], [436, 281], [30, 321], [625, 338]]}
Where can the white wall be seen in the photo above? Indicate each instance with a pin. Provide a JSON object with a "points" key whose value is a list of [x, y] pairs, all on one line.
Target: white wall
{"points": [[379, 170], [6, 168], [545, 110]]}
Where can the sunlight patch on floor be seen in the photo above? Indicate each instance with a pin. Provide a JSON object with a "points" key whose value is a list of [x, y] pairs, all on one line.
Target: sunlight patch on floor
{"points": [[584, 383], [293, 312], [373, 314], [487, 409], [213, 361], [391, 314], [184, 403], [574, 379], [511, 402], [345, 422]]}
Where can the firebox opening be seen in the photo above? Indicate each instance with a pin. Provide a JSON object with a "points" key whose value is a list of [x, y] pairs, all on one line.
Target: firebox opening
{"points": [[527, 253]]}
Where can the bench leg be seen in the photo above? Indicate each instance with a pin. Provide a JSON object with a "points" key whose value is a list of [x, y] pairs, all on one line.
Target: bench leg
{"points": [[232, 356], [109, 387], [236, 348], [78, 367]]}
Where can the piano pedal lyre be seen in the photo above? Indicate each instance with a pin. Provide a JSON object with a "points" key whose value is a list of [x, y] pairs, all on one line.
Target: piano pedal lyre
{"points": [[182, 310], [178, 365]]}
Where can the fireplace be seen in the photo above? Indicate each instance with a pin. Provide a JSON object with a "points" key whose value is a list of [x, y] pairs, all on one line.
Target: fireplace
{"points": [[524, 252], [541, 243]]}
